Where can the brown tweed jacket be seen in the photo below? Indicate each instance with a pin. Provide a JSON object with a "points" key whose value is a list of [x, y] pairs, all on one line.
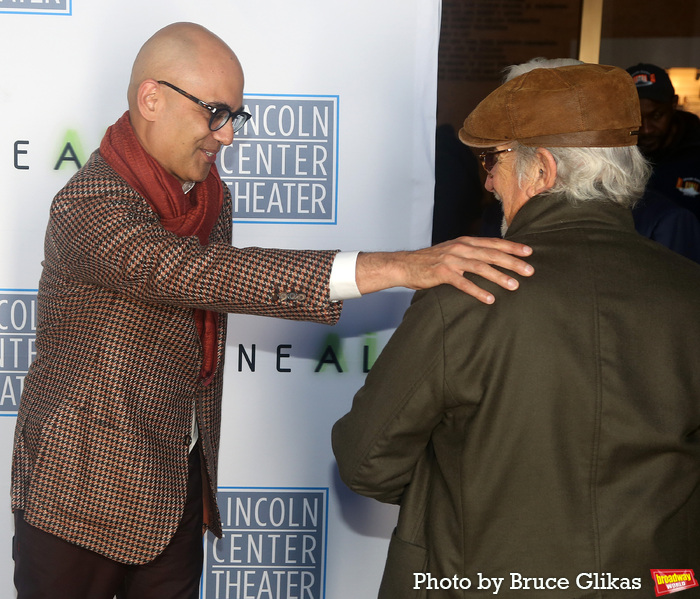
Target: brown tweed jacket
{"points": [[101, 444]]}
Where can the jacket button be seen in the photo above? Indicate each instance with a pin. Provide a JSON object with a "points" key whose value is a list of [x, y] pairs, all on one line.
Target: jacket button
{"points": [[188, 439], [281, 296]]}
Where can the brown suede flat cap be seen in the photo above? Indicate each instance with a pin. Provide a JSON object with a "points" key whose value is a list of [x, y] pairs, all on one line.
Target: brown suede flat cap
{"points": [[585, 105]]}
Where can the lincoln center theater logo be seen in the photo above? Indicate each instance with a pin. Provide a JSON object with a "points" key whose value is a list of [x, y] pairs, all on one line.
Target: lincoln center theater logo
{"points": [[17, 337], [282, 166], [273, 545], [673, 581], [36, 7]]}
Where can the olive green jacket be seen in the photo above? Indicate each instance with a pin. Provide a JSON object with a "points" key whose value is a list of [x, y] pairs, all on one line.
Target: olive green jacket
{"points": [[553, 434]]}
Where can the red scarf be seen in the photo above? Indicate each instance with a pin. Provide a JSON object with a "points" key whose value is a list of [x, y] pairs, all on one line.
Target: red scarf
{"points": [[183, 214]]}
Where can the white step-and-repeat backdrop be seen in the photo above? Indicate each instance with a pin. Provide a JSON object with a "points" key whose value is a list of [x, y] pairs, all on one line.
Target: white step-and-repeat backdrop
{"points": [[343, 93]]}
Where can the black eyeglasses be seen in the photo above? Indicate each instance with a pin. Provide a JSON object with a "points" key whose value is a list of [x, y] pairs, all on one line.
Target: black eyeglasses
{"points": [[490, 158], [219, 114]]}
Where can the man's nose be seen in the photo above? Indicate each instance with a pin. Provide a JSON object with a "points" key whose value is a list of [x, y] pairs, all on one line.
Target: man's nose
{"points": [[224, 135]]}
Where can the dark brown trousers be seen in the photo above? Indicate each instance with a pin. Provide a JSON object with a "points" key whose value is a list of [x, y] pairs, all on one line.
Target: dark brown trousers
{"points": [[47, 567]]}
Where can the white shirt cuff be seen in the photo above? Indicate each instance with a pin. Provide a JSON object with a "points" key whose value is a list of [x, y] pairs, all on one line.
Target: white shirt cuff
{"points": [[342, 283]]}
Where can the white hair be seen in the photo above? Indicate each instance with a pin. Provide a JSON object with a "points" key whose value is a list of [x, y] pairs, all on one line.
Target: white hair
{"points": [[617, 174], [516, 70]]}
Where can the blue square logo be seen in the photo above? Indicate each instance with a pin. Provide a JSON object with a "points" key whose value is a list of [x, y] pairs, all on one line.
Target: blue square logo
{"points": [[36, 7], [282, 166], [17, 345], [273, 545]]}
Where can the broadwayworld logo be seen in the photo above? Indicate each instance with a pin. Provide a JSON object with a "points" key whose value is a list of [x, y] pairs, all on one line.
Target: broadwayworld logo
{"points": [[282, 166], [273, 545], [673, 581], [17, 338], [36, 7]]}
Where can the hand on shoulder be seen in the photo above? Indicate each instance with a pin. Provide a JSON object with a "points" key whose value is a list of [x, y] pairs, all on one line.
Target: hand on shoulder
{"points": [[446, 262]]}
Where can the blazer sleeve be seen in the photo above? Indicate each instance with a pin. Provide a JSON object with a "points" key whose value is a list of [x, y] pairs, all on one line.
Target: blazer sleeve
{"points": [[102, 233], [378, 443]]}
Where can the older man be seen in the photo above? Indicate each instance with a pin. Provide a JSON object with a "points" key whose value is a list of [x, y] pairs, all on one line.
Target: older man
{"points": [[548, 446], [117, 436]]}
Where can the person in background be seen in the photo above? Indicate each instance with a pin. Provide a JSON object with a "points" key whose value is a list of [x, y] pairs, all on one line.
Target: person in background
{"points": [[116, 445], [670, 139], [548, 446]]}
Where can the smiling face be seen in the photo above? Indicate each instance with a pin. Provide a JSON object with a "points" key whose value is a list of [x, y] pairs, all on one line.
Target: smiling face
{"points": [[182, 141], [171, 127]]}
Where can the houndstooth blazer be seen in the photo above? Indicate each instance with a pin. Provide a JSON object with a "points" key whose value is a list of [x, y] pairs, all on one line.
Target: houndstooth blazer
{"points": [[101, 443]]}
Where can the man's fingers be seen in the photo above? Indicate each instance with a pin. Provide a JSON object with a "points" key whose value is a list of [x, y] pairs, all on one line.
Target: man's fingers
{"points": [[492, 274], [491, 251], [478, 263], [503, 245], [474, 290], [478, 256]]}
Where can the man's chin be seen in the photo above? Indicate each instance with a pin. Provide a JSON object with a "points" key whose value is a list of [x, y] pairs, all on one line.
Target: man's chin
{"points": [[648, 146], [202, 175]]}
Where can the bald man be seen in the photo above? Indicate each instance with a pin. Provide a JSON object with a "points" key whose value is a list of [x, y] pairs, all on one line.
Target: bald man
{"points": [[117, 438]]}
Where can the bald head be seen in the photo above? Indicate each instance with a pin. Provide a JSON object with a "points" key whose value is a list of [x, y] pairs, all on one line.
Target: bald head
{"points": [[179, 62], [183, 52]]}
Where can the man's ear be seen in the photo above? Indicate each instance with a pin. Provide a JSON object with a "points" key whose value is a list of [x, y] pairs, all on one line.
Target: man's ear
{"points": [[148, 99], [547, 168]]}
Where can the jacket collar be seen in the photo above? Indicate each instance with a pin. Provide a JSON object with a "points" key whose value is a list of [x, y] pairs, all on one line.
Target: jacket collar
{"points": [[554, 211]]}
